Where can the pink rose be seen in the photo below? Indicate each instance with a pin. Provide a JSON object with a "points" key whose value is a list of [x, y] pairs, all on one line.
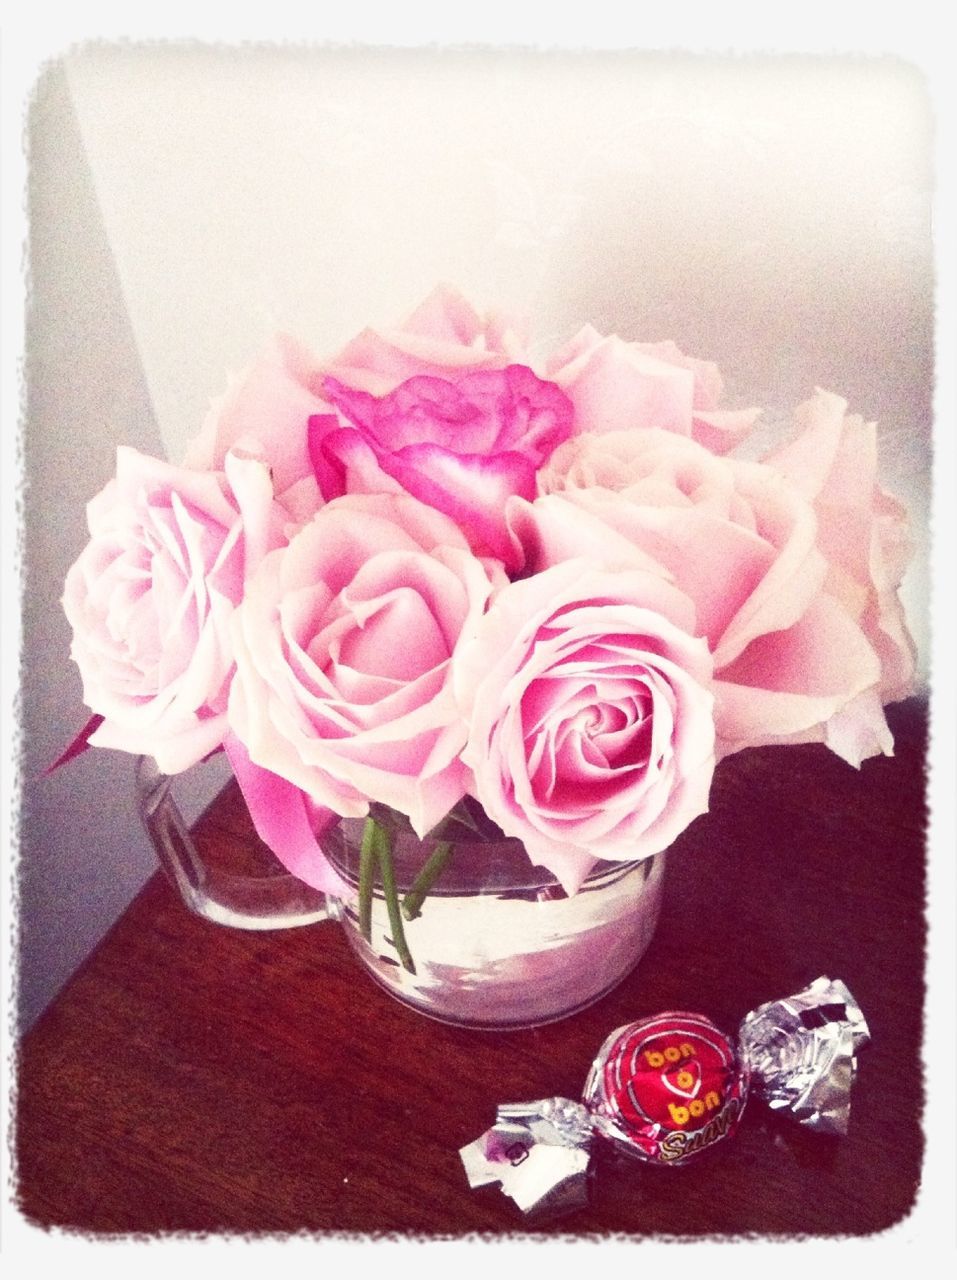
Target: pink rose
{"points": [[265, 413], [590, 715], [619, 385], [741, 542], [150, 598], [343, 645], [444, 337], [862, 532], [460, 446]]}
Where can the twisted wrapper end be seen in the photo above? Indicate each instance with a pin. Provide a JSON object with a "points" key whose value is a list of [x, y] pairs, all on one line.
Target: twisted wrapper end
{"points": [[802, 1053], [538, 1151]]}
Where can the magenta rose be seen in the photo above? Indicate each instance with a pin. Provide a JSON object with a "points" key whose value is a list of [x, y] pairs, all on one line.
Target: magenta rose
{"points": [[590, 715], [151, 595], [619, 385], [792, 662], [343, 645], [462, 447]]}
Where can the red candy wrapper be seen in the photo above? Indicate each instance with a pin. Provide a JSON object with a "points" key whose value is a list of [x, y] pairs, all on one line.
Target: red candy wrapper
{"points": [[666, 1088]]}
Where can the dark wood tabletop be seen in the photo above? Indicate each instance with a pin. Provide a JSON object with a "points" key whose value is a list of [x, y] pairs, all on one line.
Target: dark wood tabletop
{"points": [[193, 1078]]}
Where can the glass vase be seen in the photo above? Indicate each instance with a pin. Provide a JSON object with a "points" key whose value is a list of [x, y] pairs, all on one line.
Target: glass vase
{"points": [[496, 943]]}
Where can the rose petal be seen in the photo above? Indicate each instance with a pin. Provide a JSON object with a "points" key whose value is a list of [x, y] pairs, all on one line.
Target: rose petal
{"points": [[345, 462], [282, 822], [267, 407], [615, 385], [470, 489]]}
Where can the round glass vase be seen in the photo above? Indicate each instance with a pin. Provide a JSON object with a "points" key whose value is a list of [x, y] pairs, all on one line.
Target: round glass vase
{"points": [[496, 943]]}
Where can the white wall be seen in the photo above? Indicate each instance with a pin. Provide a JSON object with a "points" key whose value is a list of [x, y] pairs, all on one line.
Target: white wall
{"points": [[770, 213], [82, 851]]}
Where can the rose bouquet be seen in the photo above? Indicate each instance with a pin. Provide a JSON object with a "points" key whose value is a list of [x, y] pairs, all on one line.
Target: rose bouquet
{"points": [[435, 576]]}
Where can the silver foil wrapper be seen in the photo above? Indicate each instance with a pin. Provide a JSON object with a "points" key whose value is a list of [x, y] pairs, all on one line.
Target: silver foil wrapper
{"points": [[539, 1152], [803, 1053]]}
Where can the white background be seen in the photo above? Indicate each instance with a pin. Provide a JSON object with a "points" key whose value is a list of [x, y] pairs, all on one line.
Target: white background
{"points": [[770, 214]]}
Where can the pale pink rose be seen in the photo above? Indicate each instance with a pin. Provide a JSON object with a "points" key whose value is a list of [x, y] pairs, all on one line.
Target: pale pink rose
{"points": [[443, 338], [617, 385], [791, 662], [462, 446], [343, 645], [590, 715], [265, 413], [150, 598], [862, 532]]}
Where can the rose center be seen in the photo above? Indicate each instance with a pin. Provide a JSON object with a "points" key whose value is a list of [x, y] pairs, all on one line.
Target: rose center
{"points": [[400, 638]]}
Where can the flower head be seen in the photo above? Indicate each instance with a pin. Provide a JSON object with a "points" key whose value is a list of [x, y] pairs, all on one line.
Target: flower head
{"points": [[150, 597], [589, 708], [462, 446], [343, 646]]}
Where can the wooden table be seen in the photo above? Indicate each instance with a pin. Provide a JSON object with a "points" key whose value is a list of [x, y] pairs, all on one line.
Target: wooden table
{"points": [[194, 1078]]}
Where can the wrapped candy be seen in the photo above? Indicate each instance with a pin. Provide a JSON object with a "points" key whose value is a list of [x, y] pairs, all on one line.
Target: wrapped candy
{"points": [[668, 1087]]}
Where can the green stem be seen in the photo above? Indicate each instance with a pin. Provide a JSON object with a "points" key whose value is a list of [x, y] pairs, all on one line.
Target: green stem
{"points": [[433, 868], [384, 849], [367, 863]]}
